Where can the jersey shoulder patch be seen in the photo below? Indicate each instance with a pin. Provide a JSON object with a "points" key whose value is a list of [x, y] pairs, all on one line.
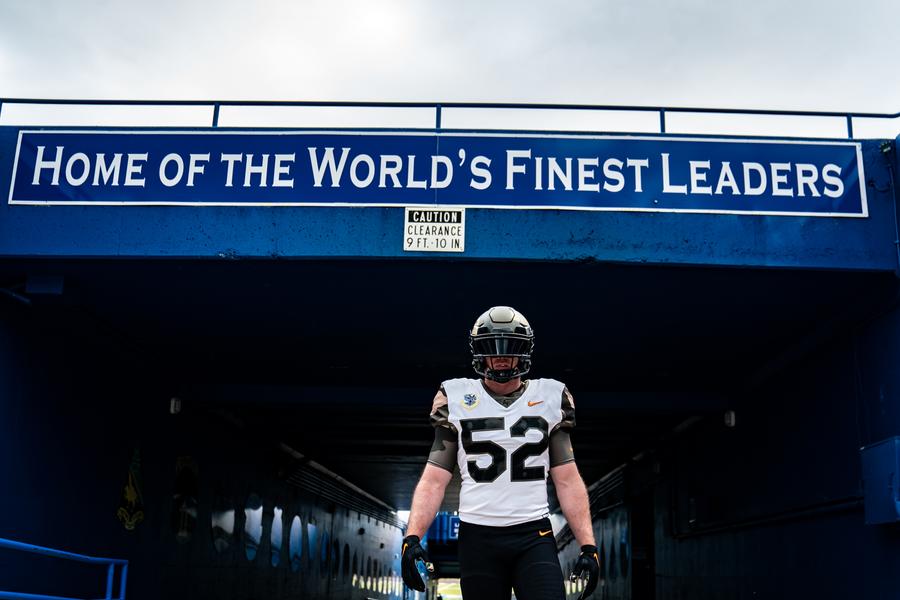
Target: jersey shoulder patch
{"points": [[462, 394]]}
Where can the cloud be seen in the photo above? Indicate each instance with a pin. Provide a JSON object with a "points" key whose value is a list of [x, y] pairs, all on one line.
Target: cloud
{"points": [[800, 54]]}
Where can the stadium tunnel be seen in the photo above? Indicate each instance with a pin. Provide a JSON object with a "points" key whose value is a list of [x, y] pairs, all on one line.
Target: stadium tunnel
{"points": [[239, 422]]}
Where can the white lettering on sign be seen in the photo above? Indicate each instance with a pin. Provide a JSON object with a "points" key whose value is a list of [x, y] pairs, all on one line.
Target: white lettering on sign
{"points": [[79, 168], [521, 172], [434, 229]]}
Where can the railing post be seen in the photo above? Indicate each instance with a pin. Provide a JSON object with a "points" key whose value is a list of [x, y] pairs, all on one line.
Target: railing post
{"points": [[110, 576], [849, 127], [110, 571], [123, 578], [662, 120], [215, 122]]}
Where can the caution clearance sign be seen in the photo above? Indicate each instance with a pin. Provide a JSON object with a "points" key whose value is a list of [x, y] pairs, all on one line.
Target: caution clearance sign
{"points": [[434, 229], [307, 168]]}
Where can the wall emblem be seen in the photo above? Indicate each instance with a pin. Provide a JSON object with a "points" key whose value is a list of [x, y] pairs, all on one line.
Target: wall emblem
{"points": [[131, 506]]}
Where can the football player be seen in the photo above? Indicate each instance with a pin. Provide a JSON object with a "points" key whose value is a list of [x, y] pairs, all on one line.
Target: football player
{"points": [[506, 435]]}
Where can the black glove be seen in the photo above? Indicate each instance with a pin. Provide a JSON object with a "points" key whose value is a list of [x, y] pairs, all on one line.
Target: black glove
{"points": [[411, 553], [588, 564]]}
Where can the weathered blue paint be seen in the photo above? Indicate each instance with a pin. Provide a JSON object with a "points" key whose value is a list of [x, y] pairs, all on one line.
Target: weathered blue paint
{"points": [[78, 402], [315, 168], [286, 232]]}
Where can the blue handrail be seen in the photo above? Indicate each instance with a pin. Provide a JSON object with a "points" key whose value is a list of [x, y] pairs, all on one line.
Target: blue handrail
{"points": [[111, 563], [662, 111]]}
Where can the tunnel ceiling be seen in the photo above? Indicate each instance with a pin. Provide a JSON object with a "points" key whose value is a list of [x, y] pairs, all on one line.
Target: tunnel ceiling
{"points": [[340, 359]]}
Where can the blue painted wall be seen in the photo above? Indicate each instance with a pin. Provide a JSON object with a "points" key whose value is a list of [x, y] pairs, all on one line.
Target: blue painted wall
{"points": [[74, 405], [612, 534], [773, 507], [793, 464], [664, 238], [66, 421]]}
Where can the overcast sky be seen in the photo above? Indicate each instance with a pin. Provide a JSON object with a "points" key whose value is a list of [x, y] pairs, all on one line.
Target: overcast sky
{"points": [[786, 54]]}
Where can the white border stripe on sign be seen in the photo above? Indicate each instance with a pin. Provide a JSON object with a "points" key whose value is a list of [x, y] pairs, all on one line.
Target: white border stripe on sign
{"points": [[857, 145]]}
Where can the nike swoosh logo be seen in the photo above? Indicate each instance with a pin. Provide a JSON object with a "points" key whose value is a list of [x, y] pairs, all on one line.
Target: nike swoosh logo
{"points": [[535, 403], [543, 533]]}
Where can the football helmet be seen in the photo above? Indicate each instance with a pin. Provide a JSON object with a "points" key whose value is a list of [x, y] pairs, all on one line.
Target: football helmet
{"points": [[501, 331]]}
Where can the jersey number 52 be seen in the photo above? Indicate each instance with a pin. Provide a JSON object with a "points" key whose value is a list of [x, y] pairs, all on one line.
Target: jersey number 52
{"points": [[519, 471]]}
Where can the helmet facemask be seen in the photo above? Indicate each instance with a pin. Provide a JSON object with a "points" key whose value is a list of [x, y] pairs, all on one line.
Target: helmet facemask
{"points": [[501, 331]]}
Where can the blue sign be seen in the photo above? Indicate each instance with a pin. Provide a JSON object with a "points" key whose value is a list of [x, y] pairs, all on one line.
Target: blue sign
{"points": [[302, 168], [454, 528]]}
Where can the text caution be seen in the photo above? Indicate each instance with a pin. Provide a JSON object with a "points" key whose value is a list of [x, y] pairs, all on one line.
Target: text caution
{"points": [[431, 229]]}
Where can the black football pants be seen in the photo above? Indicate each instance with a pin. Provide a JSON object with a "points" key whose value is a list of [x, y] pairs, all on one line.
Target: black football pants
{"points": [[495, 560]]}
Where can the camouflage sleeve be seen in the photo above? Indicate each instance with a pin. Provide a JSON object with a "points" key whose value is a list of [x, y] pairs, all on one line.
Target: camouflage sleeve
{"points": [[444, 449], [560, 440], [560, 448], [440, 412], [567, 407], [446, 444]]}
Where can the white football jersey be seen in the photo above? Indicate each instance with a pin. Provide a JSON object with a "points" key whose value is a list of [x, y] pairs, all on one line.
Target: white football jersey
{"points": [[503, 454]]}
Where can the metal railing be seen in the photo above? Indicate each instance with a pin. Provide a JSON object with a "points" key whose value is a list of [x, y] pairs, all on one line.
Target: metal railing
{"points": [[663, 112], [111, 564]]}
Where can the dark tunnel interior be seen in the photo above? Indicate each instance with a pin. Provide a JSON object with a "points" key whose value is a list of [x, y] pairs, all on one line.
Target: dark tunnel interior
{"points": [[340, 359]]}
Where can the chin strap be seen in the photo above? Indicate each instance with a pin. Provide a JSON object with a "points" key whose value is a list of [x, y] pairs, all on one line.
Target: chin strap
{"points": [[479, 365], [505, 375]]}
